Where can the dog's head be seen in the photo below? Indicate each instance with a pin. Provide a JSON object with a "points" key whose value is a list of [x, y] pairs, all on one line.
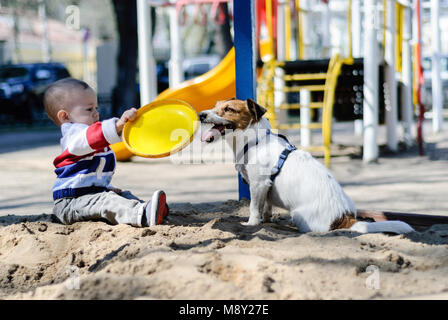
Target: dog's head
{"points": [[230, 115]]}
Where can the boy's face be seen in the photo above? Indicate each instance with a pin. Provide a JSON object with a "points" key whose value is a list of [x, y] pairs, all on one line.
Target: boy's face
{"points": [[83, 106]]}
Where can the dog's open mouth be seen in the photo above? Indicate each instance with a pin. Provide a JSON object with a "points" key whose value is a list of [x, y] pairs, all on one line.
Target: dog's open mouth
{"points": [[216, 131]]}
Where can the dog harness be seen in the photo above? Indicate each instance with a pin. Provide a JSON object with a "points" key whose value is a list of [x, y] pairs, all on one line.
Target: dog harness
{"points": [[282, 158]]}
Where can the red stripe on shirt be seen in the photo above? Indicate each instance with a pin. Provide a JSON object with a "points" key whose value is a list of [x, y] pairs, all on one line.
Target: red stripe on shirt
{"points": [[95, 137], [66, 158]]}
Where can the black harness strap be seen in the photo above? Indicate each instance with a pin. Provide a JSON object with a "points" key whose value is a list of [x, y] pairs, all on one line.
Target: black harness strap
{"points": [[283, 156]]}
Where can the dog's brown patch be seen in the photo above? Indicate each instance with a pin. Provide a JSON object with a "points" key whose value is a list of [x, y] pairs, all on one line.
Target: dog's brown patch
{"points": [[344, 222], [238, 112]]}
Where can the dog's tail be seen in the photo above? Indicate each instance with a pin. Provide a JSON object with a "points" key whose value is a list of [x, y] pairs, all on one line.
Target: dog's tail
{"points": [[381, 226]]}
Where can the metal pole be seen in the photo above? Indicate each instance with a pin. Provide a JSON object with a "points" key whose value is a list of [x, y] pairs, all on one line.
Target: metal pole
{"points": [[279, 95], [356, 48], [436, 80], [356, 28], [370, 108], [176, 75], [406, 77], [306, 39], [46, 56], [17, 52], [85, 54], [279, 83], [245, 49], [287, 27], [391, 82], [147, 64], [326, 42], [305, 118], [418, 75], [281, 41]]}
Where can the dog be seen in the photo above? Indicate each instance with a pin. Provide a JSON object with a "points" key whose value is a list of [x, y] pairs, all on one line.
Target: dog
{"points": [[280, 175]]}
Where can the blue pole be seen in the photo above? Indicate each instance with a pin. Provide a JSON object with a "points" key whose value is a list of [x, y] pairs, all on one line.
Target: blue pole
{"points": [[245, 59]]}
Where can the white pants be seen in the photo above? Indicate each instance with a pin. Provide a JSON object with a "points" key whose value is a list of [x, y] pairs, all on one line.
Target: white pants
{"points": [[110, 206]]}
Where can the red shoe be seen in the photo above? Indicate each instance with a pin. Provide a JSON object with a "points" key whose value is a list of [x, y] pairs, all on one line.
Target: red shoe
{"points": [[156, 210], [167, 211]]}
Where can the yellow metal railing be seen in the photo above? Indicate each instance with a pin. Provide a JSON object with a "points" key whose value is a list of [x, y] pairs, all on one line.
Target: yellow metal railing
{"points": [[269, 23], [399, 36], [399, 21], [267, 91], [334, 70], [300, 47]]}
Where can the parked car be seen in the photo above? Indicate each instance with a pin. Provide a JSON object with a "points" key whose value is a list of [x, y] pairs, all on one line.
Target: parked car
{"points": [[199, 65], [22, 87], [427, 75], [193, 67]]}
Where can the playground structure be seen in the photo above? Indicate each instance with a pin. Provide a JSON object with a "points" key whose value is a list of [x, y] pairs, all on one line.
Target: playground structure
{"points": [[288, 82], [282, 76], [237, 72], [387, 25], [391, 80], [267, 97]]}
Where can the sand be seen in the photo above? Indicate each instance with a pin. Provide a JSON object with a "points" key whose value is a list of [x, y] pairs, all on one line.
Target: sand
{"points": [[204, 252]]}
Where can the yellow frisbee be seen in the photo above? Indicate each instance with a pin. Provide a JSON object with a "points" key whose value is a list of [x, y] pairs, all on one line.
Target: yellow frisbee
{"points": [[161, 128]]}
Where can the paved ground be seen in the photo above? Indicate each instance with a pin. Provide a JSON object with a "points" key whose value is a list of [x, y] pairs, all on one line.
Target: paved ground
{"points": [[398, 182]]}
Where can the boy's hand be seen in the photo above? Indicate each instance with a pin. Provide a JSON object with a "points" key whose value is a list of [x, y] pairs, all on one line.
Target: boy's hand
{"points": [[128, 115]]}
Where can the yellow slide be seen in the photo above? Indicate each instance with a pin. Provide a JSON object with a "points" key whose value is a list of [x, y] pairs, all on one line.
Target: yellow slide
{"points": [[201, 93]]}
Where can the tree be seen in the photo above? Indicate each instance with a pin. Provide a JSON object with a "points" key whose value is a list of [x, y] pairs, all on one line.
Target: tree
{"points": [[223, 38], [125, 92]]}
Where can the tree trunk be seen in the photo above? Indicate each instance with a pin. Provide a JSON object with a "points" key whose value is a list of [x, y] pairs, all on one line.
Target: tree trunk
{"points": [[223, 37], [125, 92]]}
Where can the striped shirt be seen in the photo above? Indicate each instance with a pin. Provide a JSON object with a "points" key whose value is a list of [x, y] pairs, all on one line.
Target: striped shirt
{"points": [[87, 162]]}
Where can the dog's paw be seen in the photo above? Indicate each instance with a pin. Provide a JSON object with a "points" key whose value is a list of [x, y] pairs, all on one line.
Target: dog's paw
{"points": [[251, 223], [267, 217]]}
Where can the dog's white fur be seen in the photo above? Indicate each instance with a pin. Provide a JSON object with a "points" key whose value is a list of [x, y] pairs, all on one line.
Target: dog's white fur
{"points": [[304, 186]]}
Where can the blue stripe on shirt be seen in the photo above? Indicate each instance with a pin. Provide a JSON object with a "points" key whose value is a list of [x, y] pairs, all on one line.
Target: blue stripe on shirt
{"points": [[81, 181], [86, 166]]}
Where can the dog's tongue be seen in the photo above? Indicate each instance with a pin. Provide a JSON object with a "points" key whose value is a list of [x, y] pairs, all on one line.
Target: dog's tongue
{"points": [[209, 135]]}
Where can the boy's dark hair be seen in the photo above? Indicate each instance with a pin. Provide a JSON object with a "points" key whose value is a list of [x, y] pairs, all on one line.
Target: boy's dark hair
{"points": [[56, 93]]}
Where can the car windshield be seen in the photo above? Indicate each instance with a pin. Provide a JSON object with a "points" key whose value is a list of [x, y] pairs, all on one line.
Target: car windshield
{"points": [[12, 72]]}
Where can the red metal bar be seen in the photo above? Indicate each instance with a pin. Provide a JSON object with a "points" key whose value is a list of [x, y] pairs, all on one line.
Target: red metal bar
{"points": [[420, 82]]}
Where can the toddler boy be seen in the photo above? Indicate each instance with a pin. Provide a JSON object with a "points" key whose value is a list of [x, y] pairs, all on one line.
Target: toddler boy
{"points": [[84, 169]]}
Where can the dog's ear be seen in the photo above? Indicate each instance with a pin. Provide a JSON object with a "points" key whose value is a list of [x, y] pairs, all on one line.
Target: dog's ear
{"points": [[256, 110]]}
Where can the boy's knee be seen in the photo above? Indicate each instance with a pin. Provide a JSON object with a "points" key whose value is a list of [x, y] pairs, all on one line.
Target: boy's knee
{"points": [[61, 218], [60, 214]]}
